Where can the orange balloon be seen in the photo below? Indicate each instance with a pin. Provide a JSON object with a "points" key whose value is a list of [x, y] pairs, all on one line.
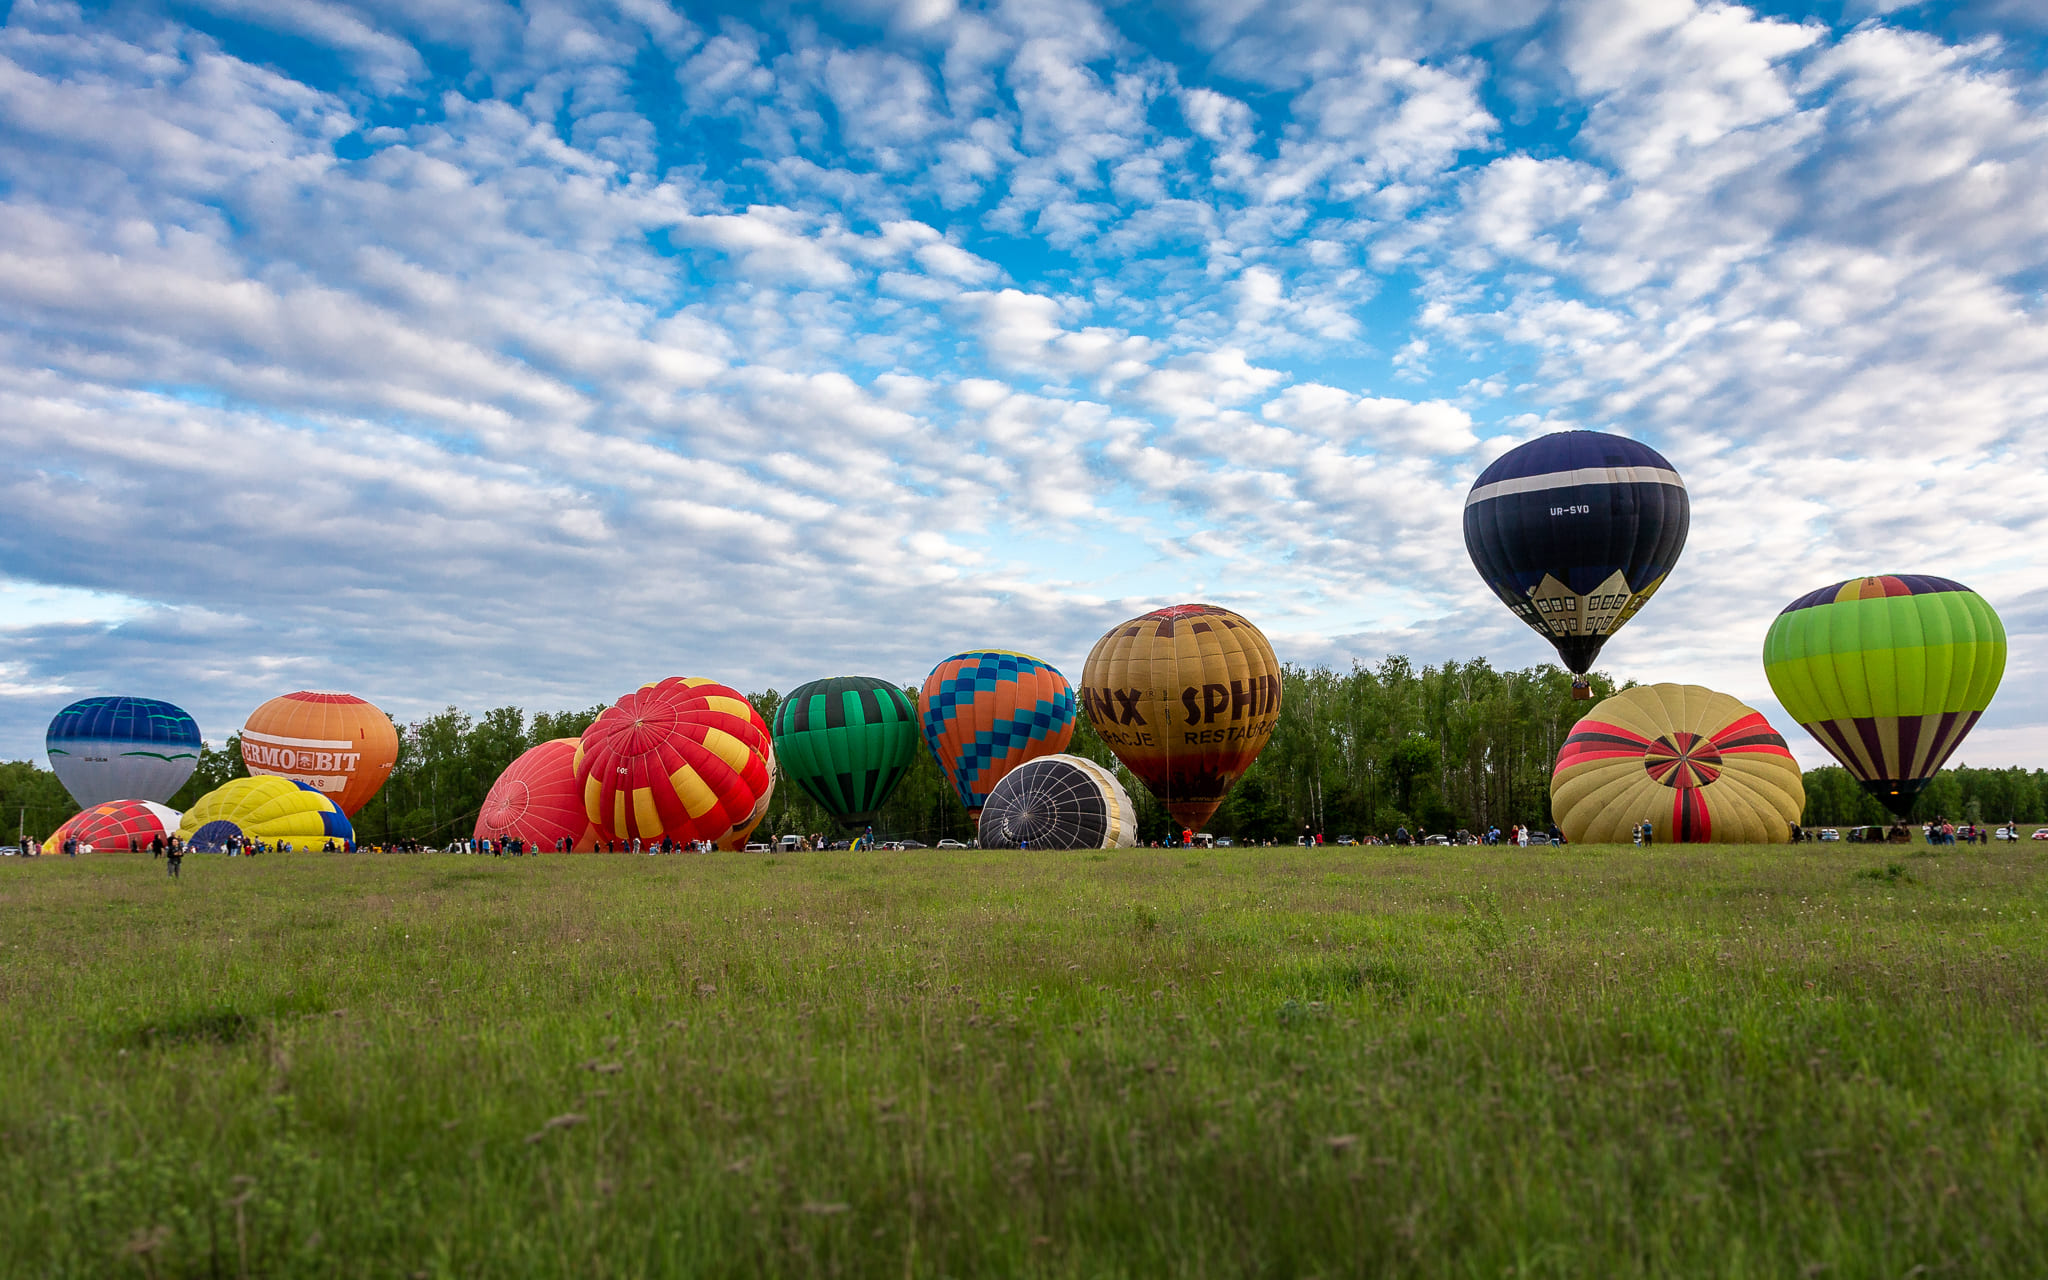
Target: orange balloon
{"points": [[335, 743]]}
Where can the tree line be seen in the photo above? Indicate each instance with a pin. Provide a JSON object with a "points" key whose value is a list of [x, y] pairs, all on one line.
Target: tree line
{"points": [[1358, 752]]}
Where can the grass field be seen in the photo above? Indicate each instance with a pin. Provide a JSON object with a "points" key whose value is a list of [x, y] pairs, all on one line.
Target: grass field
{"points": [[1469, 1062]]}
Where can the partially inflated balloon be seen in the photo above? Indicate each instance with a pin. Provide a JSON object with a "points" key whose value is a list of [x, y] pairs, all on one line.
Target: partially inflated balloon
{"points": [[1187, 697], [118, 824], [1575, 532], [115, 748], [1698, 765], [1888, 673], [335, 743], [267, 809], [986, 711], [847, 742], [1059, 802], [685, 759], [538, 800]]}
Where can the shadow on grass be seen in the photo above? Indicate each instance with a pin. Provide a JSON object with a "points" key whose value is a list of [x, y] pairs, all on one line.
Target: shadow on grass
{"points": [[219, 1025]]}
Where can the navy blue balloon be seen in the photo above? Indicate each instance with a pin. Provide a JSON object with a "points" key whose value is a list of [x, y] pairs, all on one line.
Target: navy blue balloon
{"points": [[1574, 532]]}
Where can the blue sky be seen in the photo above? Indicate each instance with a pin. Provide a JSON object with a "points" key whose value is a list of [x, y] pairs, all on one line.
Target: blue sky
{"points": [[454, 351]]}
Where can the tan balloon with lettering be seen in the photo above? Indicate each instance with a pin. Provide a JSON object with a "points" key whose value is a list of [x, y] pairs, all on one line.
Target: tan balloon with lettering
{"points": [[1187, 697]]}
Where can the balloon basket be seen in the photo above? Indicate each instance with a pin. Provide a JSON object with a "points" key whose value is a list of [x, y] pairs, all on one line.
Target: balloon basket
{"points": [[1581, 691]]}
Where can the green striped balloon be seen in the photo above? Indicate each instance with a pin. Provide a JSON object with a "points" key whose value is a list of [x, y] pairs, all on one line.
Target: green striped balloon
{"points": [[1889, 674], [847, 742]]}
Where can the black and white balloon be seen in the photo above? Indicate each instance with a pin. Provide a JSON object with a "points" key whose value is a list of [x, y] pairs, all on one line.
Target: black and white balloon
{"points": [[1059, 802]]}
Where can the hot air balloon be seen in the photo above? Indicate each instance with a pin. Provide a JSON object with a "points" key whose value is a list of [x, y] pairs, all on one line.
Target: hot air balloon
{"points": [[1575, 532], [1699, 765], [336, 743], [1058, 802], [986, 711], [1888, 673], [537, 799], [267, 809], [847, 742], [114, 748], [683, 758], [117, 824], [1187, 697]]}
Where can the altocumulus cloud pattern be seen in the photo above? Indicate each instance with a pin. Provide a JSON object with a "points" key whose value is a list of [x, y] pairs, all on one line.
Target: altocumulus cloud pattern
{"points": [[459, 351]]}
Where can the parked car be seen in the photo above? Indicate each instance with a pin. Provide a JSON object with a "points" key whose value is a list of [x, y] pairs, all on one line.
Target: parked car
{"points": [[758, 846], [1346, 840], [10, 850], [2040, 833], [1829, 833], [953, 844], [1436, 839], [1225, 842]]}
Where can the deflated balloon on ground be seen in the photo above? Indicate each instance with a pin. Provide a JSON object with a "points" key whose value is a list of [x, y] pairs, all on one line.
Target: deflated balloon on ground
{"points": [[264, 808], [538, 800], [118, 824], [1699, 766], [1059, 802]]}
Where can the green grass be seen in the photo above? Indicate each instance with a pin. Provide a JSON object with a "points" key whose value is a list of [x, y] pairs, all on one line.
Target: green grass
{"points": [[1699, 1061]]}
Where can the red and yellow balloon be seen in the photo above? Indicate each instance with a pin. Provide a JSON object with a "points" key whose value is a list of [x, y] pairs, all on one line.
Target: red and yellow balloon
{"points": [[683, 758]]}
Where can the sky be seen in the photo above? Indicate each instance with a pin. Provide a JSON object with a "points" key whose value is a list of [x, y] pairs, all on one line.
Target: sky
{"points": [[474, 353]]}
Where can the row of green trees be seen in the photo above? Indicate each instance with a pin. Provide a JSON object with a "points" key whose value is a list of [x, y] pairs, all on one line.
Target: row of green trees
{"points": [[1360, 752]]}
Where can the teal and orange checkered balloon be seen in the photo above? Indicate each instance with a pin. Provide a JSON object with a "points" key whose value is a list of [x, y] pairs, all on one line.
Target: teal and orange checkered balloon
{"points": [[989, 710]]}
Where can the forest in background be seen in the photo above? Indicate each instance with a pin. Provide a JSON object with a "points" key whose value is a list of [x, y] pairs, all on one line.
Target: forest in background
{"points": [[1361, 752]]}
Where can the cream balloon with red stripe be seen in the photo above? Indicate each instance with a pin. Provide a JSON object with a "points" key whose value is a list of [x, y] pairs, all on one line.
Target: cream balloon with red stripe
{"points": [[682, 758], [1698, 765]]}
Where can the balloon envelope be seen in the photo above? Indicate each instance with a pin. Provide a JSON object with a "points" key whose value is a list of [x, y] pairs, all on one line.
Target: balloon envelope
{"points": [[847, 742], [267, 809], [986, 711], [335, 743], [1575, 532], [118, 824], [1187, 697], [537, 800], [1699, 765], [119, 748], [1888, 673], [684, 758], [1059, 802]]}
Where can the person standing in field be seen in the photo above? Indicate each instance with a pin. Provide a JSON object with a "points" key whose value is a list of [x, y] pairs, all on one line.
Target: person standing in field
{"points": [[174, 854]]}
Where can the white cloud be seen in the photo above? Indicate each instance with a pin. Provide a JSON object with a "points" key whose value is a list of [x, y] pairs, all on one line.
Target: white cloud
{"points": [[991, 322]]}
